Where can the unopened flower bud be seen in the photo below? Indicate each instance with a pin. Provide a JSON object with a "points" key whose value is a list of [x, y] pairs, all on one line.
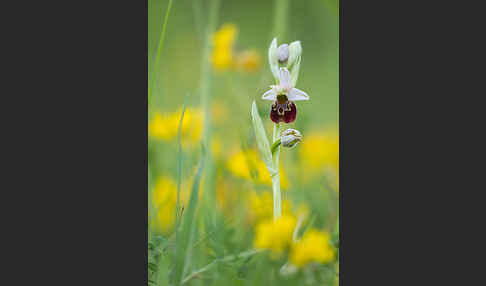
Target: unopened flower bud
{"points": [[283, 53], [290, 138]]}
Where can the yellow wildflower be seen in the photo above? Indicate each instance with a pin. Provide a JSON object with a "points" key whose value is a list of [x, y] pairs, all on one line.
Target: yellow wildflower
{"points": [[164, 198], [319, 151], [248, 61], [165, 191], [165, 127], [158, 127], [243, 163], [223, 42], [165, 219], [191, 125], [314, 247], [224, 56], [261, 206], [275, 235]]}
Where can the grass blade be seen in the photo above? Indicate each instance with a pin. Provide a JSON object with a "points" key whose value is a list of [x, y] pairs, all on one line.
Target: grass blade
{"points": [[179, 159], [241, 255], [155, 68], [184, 237]]}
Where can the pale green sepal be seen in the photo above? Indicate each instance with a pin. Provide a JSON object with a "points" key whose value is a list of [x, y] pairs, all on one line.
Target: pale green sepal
{"points": [[273, 59], [295, 52]]}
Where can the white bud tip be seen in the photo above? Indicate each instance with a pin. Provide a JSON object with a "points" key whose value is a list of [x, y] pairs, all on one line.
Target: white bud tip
{"points": [[283, 52]]}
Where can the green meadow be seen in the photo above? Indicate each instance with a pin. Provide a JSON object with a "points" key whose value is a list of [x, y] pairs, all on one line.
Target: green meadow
{"points": [[212, 189]]}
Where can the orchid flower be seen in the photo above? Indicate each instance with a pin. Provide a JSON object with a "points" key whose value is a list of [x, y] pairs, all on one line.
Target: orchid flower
{"points": [[283, 97]]}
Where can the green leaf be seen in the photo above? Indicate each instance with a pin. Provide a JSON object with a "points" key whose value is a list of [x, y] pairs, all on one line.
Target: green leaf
{"points": [[261, 138]]}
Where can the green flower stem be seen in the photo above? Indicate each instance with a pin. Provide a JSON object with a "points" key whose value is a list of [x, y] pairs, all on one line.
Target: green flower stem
{"points": [[277, 196]]}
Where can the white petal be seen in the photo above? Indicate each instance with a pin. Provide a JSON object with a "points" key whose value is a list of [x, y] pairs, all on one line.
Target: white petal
{"points": [[285, 78], [297, 94], [270, 95]]}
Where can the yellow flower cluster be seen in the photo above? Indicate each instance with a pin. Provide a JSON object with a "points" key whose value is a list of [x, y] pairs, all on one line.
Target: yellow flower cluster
{"points": [[223, 55], [164, 199], [243, 163], [319, 151], [314, 247], [166, 126], [275, 235]]}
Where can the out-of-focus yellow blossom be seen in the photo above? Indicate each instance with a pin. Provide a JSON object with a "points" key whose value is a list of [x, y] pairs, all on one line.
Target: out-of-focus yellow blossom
{"points": [[261, 206], [314, 247], [165, 191], [248, 61], [275, 235], [242, 164], [224, 56], [223, 42], [158, 127], [165, 126], [319, 151], [164, 198]]}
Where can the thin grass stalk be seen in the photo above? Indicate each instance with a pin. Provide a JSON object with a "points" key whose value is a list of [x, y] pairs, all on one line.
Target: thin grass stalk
{"points": [[183, 249], [179, 160], [159, 51], [241, 255]]}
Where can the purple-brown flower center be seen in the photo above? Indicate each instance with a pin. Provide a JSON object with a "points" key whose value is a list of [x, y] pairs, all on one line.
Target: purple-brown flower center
{"points": [[283, 110]]}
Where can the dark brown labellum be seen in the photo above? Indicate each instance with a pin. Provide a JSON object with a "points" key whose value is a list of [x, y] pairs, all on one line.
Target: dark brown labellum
{"points": [[283, 112]]}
